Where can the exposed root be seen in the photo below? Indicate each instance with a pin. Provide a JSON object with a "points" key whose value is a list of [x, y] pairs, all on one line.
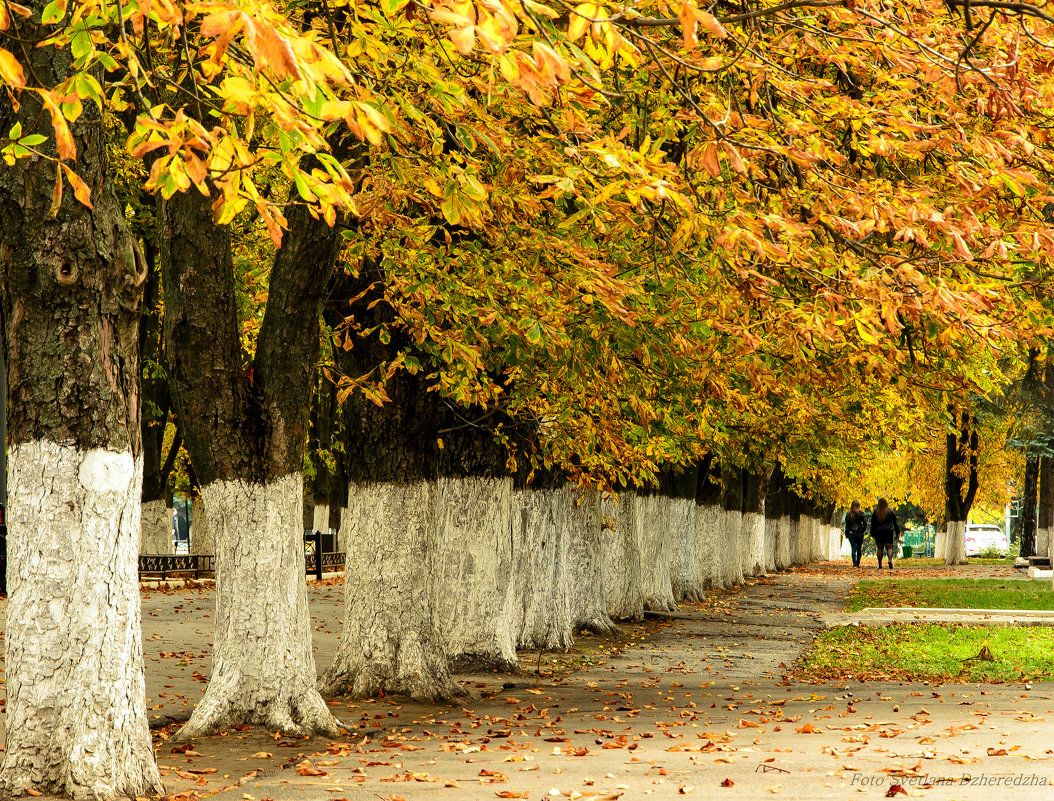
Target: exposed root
{"points": [[366, 680], [297, 713]]}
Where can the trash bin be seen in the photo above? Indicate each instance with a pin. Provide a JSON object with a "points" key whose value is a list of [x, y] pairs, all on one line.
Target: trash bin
{"points": [[907, 551]]}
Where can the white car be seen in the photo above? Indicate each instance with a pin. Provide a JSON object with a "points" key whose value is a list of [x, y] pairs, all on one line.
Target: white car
{"points": [[981, 538]]}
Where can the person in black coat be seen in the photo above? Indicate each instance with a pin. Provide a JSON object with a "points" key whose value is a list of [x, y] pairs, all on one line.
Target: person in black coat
{"points": [[885, 529], [855, 529]]}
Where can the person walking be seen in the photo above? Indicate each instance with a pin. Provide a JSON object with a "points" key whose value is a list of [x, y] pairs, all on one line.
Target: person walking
{"points": [[885, 529], [855, 529]]}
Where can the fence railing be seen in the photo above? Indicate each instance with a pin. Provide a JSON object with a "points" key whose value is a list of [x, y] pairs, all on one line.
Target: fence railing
{"points": [[200, 565]]}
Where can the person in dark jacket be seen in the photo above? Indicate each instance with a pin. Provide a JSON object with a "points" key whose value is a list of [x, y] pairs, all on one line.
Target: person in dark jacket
{"points": [[855, 529], [885, 529]]}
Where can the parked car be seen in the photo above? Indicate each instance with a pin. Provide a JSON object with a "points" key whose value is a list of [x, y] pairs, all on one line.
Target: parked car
{"points": [[982, 538]]}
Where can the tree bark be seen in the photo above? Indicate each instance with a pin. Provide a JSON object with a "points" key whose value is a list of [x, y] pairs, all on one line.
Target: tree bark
{"points": [[70, 292], [1045, 516], [585, 572], [732, 538], [685, 576], [1029, 493], [201, 538], [472, 585], [755, 486], [653, 539], [245, 432], [156, 519], [960, 490], [541, 541], [620, 557], [390, 641], [709, 524]]}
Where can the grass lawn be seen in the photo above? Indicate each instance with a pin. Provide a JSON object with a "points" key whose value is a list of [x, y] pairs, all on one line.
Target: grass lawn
{"points": [[923, 561], [952, 593], [930, 653]]}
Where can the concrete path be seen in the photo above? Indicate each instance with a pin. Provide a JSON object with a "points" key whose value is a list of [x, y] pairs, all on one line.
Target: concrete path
{"points": [[699, 705], [883, 616]]}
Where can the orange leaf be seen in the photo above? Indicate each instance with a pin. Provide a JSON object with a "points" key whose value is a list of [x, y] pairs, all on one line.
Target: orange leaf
{"points": [[10, 70], [63, 138], [80, 189]]}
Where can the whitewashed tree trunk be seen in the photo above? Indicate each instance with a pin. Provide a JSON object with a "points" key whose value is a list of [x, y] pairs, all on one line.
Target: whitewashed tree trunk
{"points": [[540, 547], [620, 558], [685, 576], [940, 545], [814, 539], [202, 539], [76, 701], [708, 520], [653, 521], [320, 518], [753, 538], [732, 544], [157, 528], [473, 587], [1043, 541], [798, 555], [586, 573], [263, 667], [772, 535], [784, 544], [834, 551], [389, 642], [955, 553]]}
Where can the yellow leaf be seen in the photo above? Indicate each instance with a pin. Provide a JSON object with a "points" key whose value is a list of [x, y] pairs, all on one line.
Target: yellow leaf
{"points": [[579, 22]]}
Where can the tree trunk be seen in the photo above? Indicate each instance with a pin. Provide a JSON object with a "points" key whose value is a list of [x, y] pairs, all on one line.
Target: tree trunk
{"points": [[201, 538], [543, 589], [1045, 518], [620, 557], [732, 545], [685, 576], [1029, 505], [70, 288], [755, 486], [774, 511], [586, 575], [472, 581], [653, 538], [321, 441], [263, 670], [389, 643], [245, 432], [709, 522], [961, 456], [156, 527]]}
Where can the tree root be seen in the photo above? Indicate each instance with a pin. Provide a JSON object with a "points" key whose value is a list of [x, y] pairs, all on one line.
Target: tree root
{"points": [[299, 713]]}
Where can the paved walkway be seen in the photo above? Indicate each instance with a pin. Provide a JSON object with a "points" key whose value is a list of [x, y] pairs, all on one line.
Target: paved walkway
{"points": [[695, 705], [965, 617]]}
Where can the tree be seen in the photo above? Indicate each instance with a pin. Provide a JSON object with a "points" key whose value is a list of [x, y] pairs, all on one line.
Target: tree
{"points": [[246, 432], [961, 482], [71, 278]]}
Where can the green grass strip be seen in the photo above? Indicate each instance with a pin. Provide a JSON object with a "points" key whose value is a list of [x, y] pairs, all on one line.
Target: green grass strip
{"points": [[952, 594], [930, 653]]}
